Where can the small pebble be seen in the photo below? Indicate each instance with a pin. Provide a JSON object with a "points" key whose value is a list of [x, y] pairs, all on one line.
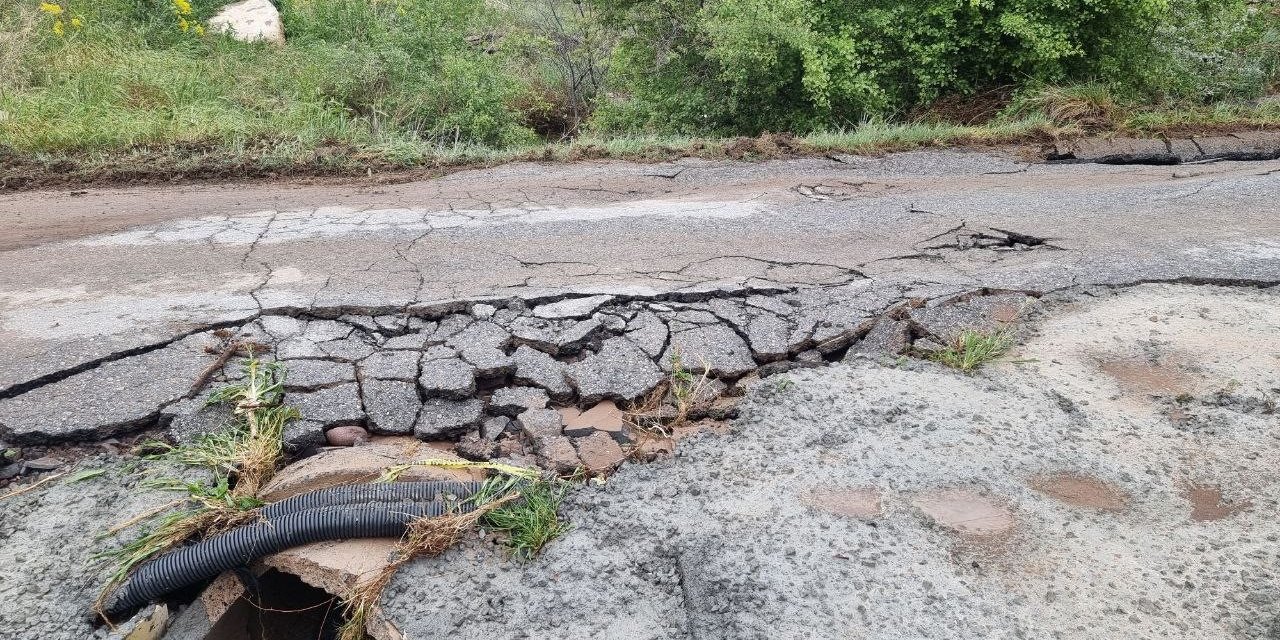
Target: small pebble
{"points": [[347, 436]]}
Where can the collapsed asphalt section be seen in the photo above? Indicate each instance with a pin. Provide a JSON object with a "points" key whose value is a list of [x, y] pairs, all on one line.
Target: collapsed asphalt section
{"points": [[1115, 476]]}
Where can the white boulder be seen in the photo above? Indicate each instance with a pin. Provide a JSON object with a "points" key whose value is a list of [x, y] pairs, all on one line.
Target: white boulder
{"points": [[249, 21]]}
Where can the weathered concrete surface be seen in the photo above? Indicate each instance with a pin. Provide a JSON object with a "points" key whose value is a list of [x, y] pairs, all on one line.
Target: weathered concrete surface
{"points": [[943, 524], [48, 535]]}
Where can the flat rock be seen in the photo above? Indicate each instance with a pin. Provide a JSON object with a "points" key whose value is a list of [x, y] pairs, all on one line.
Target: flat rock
{"points": [[536, 368], [557, 455], [392, 406], [477, 449], [308, 375], [619, 371], [447, 378], [346, 465], [512, 401], [107, 400], [442, 418], [329, 407], [599, 453], [249, 21], [604, 416], [714, 349], [571, 308], [390, 365]]}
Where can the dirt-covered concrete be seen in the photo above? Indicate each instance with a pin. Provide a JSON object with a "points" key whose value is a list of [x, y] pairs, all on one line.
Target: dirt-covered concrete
{"points": [[1058, 512]]}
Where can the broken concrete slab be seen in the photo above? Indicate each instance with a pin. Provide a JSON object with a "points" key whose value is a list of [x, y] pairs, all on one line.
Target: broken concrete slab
{"points": [[599, 453], [249, 21], [446, 377], [309, 374], [351, 349], [493, 427], [482, 344], [556, 337], [512, 401], [557, 454], [888, 337], [619, 371], [604, 416], [443, 418], [536, 368], [572, 307], [649, 332], [390, 365], [347, 465], [947, 322], [391, 406], [540, 424], [1118, 150], [110, 399], [192, 418], [714, 349], [303, 437], [329, 407]]}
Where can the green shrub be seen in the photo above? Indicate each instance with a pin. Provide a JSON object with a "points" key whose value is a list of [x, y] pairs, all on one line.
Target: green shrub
{"points": [[745, 66]]}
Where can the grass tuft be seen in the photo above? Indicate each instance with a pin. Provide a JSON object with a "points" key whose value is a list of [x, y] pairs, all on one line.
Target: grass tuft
{"points": [[242, 458], [523, 507], [973, 349]]}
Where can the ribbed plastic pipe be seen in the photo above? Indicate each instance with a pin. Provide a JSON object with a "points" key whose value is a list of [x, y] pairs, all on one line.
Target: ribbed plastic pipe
{"points": [[204, 560], [371, 494]]}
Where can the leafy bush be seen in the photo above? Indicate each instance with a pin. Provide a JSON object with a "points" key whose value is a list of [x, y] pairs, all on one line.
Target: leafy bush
{"points": [[745, 66]]}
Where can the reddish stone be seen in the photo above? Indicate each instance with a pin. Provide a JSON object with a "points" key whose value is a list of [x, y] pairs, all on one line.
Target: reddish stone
{"points": [[346, 436]]}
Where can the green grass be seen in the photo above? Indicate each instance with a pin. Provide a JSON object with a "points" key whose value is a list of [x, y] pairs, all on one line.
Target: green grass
{"points": [[530, 522], [385, 87], [974, 349]]}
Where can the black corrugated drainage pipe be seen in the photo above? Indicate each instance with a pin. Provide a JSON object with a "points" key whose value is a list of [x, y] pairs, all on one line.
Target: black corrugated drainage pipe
{"points": [[325, 514]]}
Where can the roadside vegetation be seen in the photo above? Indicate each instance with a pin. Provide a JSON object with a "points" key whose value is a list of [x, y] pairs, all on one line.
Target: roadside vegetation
{"points": [[142, 85]]}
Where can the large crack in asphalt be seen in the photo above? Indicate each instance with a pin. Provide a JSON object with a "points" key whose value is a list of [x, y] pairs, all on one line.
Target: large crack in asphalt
{"points": [[352, 365]]}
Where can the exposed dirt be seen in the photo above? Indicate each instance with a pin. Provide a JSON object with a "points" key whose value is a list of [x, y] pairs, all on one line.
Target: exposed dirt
{"points": [[1207, 503], [1080, 490]]}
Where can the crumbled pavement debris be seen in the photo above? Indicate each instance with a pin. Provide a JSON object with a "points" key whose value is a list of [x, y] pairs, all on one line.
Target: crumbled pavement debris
{"points": [[727, 540]]}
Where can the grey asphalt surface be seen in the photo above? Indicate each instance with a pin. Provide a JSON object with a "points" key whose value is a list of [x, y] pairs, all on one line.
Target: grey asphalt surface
{"points": [[151, 264]]}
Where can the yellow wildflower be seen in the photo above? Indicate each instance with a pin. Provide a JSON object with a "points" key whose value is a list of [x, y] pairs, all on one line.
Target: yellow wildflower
{"points": [[183, 24], [199, 30], [77, 22], [58, 29], [51, 8], [182, 7]]}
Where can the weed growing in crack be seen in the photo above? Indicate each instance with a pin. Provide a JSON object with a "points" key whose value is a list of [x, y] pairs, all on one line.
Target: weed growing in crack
{"points": [[974, 349], [242, 458], [682, 389]]}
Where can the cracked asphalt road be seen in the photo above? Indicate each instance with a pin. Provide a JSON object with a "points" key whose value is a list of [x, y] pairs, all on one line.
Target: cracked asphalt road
{"points": [[90, 276], [1118, 474]]}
